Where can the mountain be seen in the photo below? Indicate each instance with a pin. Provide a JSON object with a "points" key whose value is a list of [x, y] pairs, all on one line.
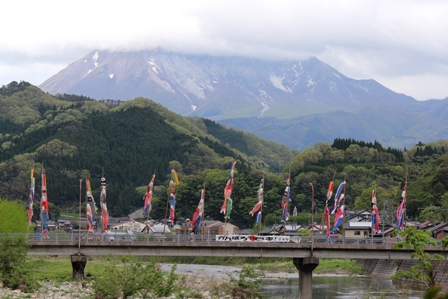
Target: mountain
{"points": [[219, 87], [296, 103], [73, 137], [393, 127]]}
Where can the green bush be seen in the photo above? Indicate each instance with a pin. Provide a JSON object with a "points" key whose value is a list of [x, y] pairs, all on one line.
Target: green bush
{"points": [[13, 271], [13, 217], [418, 240], [248, 284], [129, 278]]}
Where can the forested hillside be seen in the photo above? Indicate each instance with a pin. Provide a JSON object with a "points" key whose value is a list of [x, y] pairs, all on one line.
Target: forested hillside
{"points": [[366, 166], [72, 137]]}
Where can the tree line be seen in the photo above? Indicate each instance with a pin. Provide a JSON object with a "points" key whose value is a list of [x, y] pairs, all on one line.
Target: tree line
{"points": [[72, 138]]}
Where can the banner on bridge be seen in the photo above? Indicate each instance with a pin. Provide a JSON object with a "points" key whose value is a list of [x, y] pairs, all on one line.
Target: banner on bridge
{"points": [[252, 238]]}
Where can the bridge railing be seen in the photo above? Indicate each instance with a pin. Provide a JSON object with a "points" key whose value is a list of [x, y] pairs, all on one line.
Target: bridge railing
{"points": [[182, 238]]}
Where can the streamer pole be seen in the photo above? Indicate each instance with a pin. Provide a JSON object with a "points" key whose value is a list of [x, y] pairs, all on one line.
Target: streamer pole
{"points": [[79, 223]]}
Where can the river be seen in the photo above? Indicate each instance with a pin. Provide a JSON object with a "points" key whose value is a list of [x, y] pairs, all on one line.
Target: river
{"points": [[285, 285], [339, 287]]}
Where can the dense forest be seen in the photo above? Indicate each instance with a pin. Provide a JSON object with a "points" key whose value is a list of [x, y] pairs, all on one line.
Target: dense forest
{"points": [[73, 138]]}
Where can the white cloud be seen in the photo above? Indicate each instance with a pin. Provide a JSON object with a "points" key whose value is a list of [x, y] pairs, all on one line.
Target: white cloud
{"points": [[436, 86], [399, 40], [35, 73]]}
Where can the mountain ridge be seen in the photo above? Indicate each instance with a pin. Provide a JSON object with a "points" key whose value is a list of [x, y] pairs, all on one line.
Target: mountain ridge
{"points": [[230, 89], [202, 83]]}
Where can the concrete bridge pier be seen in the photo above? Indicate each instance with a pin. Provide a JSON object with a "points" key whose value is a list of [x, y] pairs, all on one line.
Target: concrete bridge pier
{"points": [[79, 262], [306, 266]]}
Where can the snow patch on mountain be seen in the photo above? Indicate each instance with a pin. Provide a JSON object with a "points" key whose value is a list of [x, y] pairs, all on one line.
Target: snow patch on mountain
{"points": [[263, 98], [310, 82], [95, 63], [154, 66], [265, 108], [363, 87], [95, 58], [296, 73], [337, 76], [332, 85], [278, 83], [191, 79]]}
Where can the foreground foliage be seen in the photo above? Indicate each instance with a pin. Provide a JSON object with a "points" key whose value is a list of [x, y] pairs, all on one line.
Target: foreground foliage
{"points": [[435, 292], [247, 284], [13, 217], [13, 271], [418, 240], [129, 277]]}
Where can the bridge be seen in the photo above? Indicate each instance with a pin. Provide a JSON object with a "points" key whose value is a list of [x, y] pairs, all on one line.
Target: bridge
{"points": [[224, 249], [225, 246], [305, 253]]}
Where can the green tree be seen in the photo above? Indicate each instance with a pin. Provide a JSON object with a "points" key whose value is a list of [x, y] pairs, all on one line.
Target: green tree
{"points": [[13, 254], [247, 285], [13, 217], [432, 213], [435, 293], [133, 277], [418, 240]]}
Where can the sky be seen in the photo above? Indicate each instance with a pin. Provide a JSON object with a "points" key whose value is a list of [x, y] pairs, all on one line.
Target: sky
{"points": [[402, 44]]}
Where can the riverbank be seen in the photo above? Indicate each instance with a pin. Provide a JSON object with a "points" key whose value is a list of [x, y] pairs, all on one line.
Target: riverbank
{"points": [[199, 280], [387, 268]]}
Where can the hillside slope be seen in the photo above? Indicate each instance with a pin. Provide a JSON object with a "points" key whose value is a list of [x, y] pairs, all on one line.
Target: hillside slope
{"points": [[75, 137]]}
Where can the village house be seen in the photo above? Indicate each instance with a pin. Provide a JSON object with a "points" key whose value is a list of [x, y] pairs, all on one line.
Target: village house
{"points": [[439, 231], [209, 227], [131, 225], [138, 214], [357, 229]]}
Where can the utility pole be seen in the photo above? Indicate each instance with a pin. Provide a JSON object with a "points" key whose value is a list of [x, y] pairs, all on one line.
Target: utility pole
{"points": [[384, 218], [312, 220]]}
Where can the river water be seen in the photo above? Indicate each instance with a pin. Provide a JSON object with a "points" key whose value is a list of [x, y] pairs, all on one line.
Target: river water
{"points": [[286, 285], [339, 287]]}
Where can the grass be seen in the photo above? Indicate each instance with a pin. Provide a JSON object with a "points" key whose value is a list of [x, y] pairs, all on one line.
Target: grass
{"points": [[60, 267], [338, 266], [58, 270]]}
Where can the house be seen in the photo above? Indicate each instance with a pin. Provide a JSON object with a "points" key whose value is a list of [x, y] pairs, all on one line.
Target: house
{"points": [[245, 231], [439, 231], [213, 227], [51, 225], [157, 229], [388, 232], [290, 229], [354, 229], [358, 216], [318, 229], [65, 225], [207, 227], [426, 225], [140, 213], [131, 225], [274, 230]]}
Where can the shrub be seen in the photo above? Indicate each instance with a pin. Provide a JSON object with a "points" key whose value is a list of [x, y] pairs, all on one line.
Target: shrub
{"points": [[128, 278], [13, 217], [13, 271], [248, 284]]}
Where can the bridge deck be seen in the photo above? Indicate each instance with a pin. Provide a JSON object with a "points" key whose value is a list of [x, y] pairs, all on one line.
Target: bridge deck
{"points": [[174, 247], [213, 246]]}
